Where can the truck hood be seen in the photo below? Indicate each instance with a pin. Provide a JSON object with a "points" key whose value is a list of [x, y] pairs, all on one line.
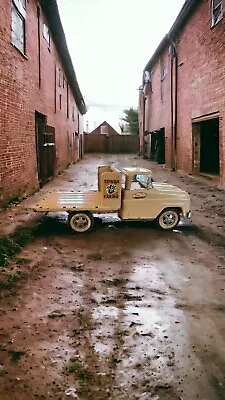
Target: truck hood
{"points": [[166, 189]]}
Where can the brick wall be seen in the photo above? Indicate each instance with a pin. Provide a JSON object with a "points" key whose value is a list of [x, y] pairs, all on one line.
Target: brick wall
{"points": [[200, 85], [201, 80], [21, 96]]}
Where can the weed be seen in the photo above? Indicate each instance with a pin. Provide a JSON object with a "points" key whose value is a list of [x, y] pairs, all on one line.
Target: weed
{"points": [[22, 236], [10, 280], [14, 200], [94, 257], [23, 261], [56, 314], [114, 360], [8, 249], [16, 355]]}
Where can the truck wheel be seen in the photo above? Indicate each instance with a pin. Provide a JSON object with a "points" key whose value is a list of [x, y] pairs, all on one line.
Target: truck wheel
{"points": [[81, 222], [168, 219]]}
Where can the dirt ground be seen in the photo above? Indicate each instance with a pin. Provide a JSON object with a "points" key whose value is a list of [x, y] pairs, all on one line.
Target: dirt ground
{"points": [[123, 312]]}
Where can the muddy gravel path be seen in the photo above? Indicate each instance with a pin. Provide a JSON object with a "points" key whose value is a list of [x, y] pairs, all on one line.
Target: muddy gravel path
{"points": [[123, 312]]}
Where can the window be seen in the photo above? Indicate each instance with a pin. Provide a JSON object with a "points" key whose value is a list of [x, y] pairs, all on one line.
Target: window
{"points": [[67, 101], [60, 102], [145, 181], [104, 129], [216, 11], [147, 77], [73, 114], [46, 34], [18, 24], [59, 77], [162, 69]]}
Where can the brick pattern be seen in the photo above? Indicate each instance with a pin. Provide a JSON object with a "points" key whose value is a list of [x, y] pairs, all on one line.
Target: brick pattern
{"points": [[20, 96], [201, 85]]}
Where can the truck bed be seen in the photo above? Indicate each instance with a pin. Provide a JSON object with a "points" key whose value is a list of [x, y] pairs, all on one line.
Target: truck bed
{"points": [[72, 201]]}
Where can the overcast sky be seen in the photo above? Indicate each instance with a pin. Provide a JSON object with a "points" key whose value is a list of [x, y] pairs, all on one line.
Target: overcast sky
{"points": [[110, 42]]}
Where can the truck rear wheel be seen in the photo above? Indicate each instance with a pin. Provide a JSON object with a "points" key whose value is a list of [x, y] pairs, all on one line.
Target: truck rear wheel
{"points": [[168, 219], [81, 221]]}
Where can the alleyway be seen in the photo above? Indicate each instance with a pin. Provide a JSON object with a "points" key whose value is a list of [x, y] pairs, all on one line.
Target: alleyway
{"points": [[123, 312]]}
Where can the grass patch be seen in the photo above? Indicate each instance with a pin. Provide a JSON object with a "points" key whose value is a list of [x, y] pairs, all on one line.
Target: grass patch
{"points": [[82, 373], [12, 244]]}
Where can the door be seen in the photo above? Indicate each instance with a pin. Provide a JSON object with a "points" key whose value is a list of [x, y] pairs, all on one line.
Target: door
{"points": [[45, 148]]}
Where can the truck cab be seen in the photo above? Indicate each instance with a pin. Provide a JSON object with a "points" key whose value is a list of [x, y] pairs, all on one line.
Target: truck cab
{"points": [[144, 199]]}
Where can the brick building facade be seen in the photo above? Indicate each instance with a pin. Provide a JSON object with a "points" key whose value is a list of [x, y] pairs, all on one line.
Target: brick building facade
{"points": [[41, 105], [182, 101]]}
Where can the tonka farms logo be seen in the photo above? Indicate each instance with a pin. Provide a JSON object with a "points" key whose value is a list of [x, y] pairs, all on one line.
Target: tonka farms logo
{"points": [[111, 188]]}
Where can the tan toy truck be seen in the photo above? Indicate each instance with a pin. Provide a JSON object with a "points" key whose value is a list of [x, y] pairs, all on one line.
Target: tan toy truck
{"points": [[129, 192]]}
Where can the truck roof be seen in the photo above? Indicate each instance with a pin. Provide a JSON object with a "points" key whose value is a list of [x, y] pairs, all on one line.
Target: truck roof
{"points": [[136, 170]]}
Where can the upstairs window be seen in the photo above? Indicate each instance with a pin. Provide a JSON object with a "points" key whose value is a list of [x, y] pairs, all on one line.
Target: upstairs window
{"points": [[147, 77], [59, 77], [162, 70], [216, 11], [18, 24], [104, 130], [46, 34]]}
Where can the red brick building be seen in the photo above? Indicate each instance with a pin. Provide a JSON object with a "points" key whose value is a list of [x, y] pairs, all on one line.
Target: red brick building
{"points": [[41, 105], [182, 99]]}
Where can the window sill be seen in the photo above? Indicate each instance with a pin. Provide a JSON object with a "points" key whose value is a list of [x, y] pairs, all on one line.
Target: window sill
{"points": [[22, 54]]}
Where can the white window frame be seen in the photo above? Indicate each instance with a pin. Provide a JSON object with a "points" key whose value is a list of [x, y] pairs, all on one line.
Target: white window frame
{"points": [[19, 11], [46, 33], [214, 8]]}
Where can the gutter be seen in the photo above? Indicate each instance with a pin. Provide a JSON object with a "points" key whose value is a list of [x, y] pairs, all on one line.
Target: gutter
{"points": [[184, 13]]}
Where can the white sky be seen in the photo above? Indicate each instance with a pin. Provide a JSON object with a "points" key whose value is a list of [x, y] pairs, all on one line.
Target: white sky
{"points": [[110, 42]]}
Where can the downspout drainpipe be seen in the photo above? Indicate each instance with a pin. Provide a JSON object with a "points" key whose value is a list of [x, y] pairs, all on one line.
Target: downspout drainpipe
{"points": [[39, 46], [173, 97], [143, 124], [175, 105], [171, 108]]}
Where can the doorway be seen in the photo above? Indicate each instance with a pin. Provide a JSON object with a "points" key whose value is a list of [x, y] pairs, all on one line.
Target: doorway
{"points": [[158, 146], [209, 150], [206, 147]]}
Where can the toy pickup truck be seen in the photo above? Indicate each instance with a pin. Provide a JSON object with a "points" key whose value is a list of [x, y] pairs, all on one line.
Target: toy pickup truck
{"points": [[129, 192]]}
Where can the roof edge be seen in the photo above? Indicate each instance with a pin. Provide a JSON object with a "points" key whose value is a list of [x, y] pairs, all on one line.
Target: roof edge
{"points": [[50, 9], [159, 49], [184, 13]]}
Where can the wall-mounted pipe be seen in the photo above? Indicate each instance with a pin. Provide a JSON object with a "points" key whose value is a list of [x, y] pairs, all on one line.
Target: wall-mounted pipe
{"points": [[39, 46], [173, 101]]}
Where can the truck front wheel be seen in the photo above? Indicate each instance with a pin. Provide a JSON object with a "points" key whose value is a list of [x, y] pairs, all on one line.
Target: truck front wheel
{"points": [[168, 219], [81, 222]]}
